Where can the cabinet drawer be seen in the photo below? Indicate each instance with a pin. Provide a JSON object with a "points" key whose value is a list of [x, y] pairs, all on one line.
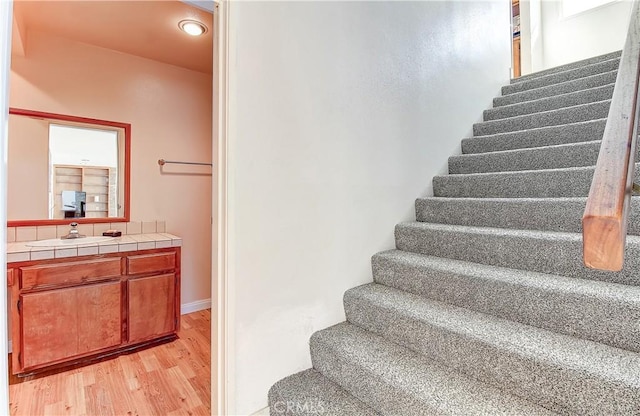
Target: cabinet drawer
{"points": [[147, 263], [71, 272]]}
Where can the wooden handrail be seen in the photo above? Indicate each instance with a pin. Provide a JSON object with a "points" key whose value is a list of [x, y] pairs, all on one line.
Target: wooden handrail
{"points": [[604, 223]]}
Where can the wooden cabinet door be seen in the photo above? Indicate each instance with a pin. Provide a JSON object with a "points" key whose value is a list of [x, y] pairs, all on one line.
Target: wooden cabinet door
{"points": [[152, 307], [63, 323]]}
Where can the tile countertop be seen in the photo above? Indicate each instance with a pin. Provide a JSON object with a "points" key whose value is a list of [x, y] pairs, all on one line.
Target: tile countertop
{"points": [[21, 252]]}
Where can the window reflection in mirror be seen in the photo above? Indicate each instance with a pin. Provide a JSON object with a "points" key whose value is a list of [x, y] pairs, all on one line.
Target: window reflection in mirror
{"points": [[62, 168], [83, 172]]}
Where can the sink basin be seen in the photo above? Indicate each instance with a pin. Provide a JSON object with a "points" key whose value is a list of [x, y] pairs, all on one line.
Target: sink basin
{"points": [[72, 242]]}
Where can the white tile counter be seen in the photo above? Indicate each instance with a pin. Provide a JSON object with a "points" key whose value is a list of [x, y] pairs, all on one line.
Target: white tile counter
{"points": [[22, 252]]}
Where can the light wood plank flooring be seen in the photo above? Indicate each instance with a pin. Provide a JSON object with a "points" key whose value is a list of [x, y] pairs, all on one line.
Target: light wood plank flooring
{"points": [[170, 379]]}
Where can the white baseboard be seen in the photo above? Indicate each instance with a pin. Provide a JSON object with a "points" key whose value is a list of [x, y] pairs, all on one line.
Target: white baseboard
{"points": [[196, 306], [261, 412]]}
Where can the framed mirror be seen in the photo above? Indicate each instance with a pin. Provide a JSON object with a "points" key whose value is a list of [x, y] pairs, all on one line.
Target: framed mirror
{"points": [[64, 168]]}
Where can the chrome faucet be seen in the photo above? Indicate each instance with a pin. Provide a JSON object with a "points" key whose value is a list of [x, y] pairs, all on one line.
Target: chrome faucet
{"points": [[73, 232]]}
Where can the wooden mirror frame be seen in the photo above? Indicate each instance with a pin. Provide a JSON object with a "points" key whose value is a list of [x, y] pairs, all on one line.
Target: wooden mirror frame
{"points": [[127, 168]]}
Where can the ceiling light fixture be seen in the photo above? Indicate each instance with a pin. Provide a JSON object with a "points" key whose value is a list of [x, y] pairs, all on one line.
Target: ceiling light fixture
{"points": [[192, 27]]}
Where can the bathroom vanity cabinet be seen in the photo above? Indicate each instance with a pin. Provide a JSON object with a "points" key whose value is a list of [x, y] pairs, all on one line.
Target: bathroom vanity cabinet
{"points": [[68, 310]]}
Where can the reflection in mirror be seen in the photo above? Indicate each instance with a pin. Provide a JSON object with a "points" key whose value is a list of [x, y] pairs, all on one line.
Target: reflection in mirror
{"points": [[83, 170], [63, 167]]}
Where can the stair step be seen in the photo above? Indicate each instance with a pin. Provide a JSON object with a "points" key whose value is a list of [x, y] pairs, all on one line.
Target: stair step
{"points": [[397, 381], [544, 214], [557, 89], [598, 311], [559, 372], [310, 393], [572, 65], [538, 251], [545, 136], [564, 76], [555, 102], [544, 183], [534, 158], [583, 112]]}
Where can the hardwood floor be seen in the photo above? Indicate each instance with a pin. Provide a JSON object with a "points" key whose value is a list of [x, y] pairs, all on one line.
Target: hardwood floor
{"points": [[170, 379]]}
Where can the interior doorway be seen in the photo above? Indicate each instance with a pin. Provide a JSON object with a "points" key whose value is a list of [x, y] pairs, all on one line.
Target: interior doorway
{"points": [[515, 36], [164, 180]]}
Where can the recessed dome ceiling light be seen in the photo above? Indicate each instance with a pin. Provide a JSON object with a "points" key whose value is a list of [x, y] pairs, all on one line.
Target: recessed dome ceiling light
{"points": [[192, 27]]}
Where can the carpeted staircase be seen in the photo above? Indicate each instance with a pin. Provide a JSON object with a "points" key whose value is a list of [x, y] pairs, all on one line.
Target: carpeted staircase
{"points": [[485, 307]]}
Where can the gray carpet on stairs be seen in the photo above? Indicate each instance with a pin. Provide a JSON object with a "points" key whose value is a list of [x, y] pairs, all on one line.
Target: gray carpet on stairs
{"points": [[579, 84], [542, 183], [545, 214], [539, 251], [534, 158], [537, 137], [551, 103], [560, 372], [543, 80], [308, 392], [582, 112], [573, 65], [599, 311], [485, 306], [396, 380]]}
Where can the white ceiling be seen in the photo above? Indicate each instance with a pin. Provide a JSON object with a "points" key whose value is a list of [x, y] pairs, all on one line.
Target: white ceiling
{"points": [[146, 28]]}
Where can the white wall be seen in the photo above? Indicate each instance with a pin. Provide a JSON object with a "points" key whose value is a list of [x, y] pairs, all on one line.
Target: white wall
{"points": [[5, 49], [340, 113], [591, 33]]}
